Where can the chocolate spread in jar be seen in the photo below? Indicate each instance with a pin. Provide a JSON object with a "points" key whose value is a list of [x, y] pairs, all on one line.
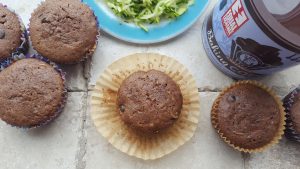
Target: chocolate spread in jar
{"points": [[244, 39]]}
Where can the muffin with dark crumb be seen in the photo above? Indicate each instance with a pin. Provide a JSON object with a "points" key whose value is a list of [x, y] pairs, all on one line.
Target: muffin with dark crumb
{"points": [[64, 31], [12, 34], [146, 105], [32, 93], [248, 116], [149, 102], [292, 105]]}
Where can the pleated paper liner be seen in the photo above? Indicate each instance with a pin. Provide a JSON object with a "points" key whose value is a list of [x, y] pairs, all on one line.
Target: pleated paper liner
{"points": [[289, 100], [107, 119], [24, 46], [278, 136]]}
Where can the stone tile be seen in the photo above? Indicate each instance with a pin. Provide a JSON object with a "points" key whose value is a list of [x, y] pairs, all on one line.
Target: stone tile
{"points": [[51, 147], [23, 8], [110, 49], [187, 48], [283, 82], [75, 79], [204, 150], [285, 155]]}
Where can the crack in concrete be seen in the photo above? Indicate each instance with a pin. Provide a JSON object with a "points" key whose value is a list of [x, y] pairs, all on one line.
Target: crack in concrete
{"points": [[81, 153], [245, 157], [204, 89], [208, 89], [80, 156], [80, 161], [87, 70], [280, 90], [77, 91]]}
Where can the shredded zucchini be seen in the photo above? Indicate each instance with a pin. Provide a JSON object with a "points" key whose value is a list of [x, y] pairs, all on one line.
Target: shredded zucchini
{"points": [[143, 12]]}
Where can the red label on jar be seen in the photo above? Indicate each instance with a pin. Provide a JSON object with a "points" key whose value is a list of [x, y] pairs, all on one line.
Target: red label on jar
{"points": [[234, 18]]}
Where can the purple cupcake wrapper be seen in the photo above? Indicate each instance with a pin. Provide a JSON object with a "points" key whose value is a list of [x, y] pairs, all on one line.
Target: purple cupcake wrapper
{"points": [[288, 101], [91, 51], [23, 48], [63, 76]]}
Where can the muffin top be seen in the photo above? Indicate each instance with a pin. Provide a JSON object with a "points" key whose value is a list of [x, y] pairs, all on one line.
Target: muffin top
{"points": [[248, 116], [65, 31], [295, 113], [149, 102], [31, 92], [10, 32]]}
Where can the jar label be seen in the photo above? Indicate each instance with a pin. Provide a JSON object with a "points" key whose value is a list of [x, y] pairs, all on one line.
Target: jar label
{"points": [[239, 47]]}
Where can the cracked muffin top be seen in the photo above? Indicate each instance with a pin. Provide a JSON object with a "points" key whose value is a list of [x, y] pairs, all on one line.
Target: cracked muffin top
{"points": [[149, 102], [31, 93], [10, 32], [64, 31], [248, 116], [295, 113]]}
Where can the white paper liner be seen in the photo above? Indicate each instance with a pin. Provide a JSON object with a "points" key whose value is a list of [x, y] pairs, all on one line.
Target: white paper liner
{"points": [[107, 120]]}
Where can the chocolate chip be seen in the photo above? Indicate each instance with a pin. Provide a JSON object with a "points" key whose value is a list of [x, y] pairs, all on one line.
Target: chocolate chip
{"points": [[2, 34], [231, 98], [45, 20], [122, 108], [174, 115], [2, 20]]}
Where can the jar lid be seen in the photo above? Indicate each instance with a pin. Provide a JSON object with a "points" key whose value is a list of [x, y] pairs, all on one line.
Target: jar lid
{"points": [[273, 28]]}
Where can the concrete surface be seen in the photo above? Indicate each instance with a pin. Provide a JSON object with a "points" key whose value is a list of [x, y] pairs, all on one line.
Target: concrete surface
{"points": [[72, 142], [204, 150]]}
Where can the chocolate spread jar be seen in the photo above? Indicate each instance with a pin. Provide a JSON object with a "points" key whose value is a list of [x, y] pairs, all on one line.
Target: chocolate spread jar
{"points": [[244, 39]]}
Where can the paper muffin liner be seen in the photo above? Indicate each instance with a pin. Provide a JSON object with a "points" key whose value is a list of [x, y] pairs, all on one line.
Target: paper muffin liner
{"points": [[63, 76], [24, 46], [90, 52], [290, 131], [107, 119], [278, 136]]}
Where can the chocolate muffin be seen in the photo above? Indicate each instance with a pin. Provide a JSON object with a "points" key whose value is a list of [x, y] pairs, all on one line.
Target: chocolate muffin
{"points": [[292, 105], [31, 93], [247, 116], [64, 31], [149, 102], [10, 32], [295, 114]]}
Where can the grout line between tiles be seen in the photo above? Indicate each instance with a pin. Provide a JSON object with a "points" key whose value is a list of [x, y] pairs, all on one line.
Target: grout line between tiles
{"points": [[245, 157], [81, 154], [77, 91]]}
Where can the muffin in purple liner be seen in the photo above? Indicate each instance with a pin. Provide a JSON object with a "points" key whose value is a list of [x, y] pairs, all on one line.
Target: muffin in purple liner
{"points": [[32, 92], [65, 32], [292, 106], [13, 35]]}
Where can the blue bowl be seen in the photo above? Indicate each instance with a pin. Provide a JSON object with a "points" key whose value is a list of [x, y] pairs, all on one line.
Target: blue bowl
{"points": [[157, 33]]}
